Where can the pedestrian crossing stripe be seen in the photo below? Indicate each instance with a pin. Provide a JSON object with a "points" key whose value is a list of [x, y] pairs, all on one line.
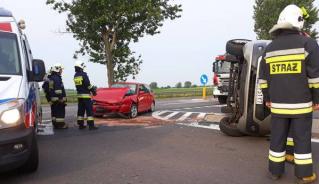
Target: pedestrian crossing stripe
{"points": [[178, 115]]}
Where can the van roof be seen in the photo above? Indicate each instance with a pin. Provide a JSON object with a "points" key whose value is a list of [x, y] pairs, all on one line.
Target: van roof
{"points": [[5, 13]]}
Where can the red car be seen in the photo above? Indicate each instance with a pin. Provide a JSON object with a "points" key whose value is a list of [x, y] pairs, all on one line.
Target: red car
{"points": [[124, 98]]}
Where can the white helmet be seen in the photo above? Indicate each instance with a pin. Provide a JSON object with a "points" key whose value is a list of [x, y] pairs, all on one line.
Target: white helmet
{"points": [[57, 67], [292, 17], [50, 70], [80, 64]]}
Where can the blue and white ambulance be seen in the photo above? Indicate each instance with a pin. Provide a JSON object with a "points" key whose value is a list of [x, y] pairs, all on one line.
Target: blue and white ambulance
{"points": [[20, 109]]}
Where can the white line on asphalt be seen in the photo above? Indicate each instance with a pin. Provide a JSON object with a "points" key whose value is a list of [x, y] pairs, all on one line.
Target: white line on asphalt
{"points": [[196, 125], [48, 120], [216, 127], [185, 116], [161, 112], [201, 116], [170, 115]]}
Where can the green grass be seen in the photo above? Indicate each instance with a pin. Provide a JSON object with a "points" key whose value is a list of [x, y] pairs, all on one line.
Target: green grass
{"points": [[159, 93]]}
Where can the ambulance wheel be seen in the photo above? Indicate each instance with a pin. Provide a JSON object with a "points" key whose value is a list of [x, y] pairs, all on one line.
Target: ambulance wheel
{"points": [[235, 47], [31, 165], [222, 99], [229, 128]]}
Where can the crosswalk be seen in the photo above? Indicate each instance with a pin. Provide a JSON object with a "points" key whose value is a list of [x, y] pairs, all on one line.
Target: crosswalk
{"points": [[179, 116]]}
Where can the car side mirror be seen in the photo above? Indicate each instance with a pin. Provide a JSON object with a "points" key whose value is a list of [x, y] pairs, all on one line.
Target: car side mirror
{"points": [[38, 70]]}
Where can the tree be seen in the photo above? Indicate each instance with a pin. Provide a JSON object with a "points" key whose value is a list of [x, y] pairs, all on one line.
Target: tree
{"points": [[153, 85], [105, 29], [266, 13], [178, 85], [187, 84], [194, 86]]}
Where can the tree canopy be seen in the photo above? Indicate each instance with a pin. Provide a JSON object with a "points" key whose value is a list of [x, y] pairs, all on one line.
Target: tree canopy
{"points": [[105, 29], [266, 13]]}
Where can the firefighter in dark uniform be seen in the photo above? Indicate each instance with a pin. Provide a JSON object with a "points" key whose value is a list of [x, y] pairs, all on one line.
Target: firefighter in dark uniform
{"points": [[58, 97], [84, 91], [289, 78], [47, 86]]}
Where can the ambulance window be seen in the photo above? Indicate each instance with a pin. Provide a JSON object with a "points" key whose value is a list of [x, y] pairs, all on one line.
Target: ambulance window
{"points": [[9, 54]]}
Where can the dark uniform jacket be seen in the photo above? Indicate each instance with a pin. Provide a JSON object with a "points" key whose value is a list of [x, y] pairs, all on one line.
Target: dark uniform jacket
{"points": [[289, 75], [57, 92], [82, 84], [46, 87]]}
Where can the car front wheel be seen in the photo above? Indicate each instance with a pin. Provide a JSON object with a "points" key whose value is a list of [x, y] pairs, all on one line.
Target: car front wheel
{"points": [[133, 111]]}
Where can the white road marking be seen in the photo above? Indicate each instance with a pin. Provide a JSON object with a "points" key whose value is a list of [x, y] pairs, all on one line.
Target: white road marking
{"points": [[201, 116], [161, 112], [185, 116], [171, 115], [216, 127], [196, 125], [45, 128]]}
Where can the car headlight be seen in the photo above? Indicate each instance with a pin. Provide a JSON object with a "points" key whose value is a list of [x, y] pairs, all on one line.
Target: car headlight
{"points": [[11, 113]]}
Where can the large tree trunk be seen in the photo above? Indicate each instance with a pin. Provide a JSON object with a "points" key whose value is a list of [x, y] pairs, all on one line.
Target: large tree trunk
{"points": [[109, 58]]}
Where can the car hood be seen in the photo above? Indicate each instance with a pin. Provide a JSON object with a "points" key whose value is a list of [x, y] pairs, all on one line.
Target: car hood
{"points": [[110, 95], [9, 87]]}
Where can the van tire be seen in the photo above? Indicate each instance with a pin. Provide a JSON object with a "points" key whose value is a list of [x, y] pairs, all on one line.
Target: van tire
{"points": [[222, 99], [235, 47], [32, 163], [229, 128]]}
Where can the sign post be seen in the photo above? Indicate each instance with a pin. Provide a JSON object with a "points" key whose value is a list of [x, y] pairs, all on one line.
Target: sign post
{"points": [[204, 81]]}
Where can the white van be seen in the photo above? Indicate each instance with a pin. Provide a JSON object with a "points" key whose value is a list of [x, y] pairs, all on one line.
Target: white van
{"points": [[20, 109]]}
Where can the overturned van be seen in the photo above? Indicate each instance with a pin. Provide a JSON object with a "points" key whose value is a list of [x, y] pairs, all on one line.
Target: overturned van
{"points": [[249, 115], [20, 109]]}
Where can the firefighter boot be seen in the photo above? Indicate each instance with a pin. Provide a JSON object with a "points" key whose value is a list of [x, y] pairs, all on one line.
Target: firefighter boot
{"points": [[274, 176], [307, 180], [290, 159]]}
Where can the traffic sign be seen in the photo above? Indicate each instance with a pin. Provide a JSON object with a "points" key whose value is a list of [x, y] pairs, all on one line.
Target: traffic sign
{"points": [[204, 79]]}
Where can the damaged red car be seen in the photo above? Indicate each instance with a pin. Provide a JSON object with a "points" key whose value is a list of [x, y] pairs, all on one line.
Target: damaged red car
{"points": [[124, 98]]}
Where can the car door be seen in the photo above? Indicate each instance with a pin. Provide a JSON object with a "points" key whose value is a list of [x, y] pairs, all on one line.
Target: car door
{"points": [[149, 97], [142, 98]]}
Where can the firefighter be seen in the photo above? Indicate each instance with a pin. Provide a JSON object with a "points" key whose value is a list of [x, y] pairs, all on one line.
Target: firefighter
{"points": [[47, 86], [84, 91], [58, 97], [289, 79]]}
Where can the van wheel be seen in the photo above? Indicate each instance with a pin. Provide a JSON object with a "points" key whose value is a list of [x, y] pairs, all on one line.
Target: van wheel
{"points": [[229, 128], [222, 99], [31, 165], [235, 47], [133, 112]]}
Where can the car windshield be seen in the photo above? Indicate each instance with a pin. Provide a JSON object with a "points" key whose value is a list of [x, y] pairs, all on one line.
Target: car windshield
{"points": [[9, 55], [132, 87], [222, 67]]}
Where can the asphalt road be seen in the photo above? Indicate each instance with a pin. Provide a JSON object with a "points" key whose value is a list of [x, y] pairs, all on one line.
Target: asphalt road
{"points": [[167, 154]]}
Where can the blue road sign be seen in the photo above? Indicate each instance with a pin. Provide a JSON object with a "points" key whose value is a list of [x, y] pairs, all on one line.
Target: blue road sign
{"points": [[204, 79]]}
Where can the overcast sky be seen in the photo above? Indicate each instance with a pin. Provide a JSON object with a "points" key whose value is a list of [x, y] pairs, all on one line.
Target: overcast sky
{"points": [[183, 50]]}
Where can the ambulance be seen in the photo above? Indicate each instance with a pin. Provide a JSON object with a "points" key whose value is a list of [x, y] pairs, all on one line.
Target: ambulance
{"points": [[20, 109]]}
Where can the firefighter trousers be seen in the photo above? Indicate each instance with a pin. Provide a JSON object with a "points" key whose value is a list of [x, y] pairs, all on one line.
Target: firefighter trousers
{"points": [[301, 134], [58, 114], [85, 106]]}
